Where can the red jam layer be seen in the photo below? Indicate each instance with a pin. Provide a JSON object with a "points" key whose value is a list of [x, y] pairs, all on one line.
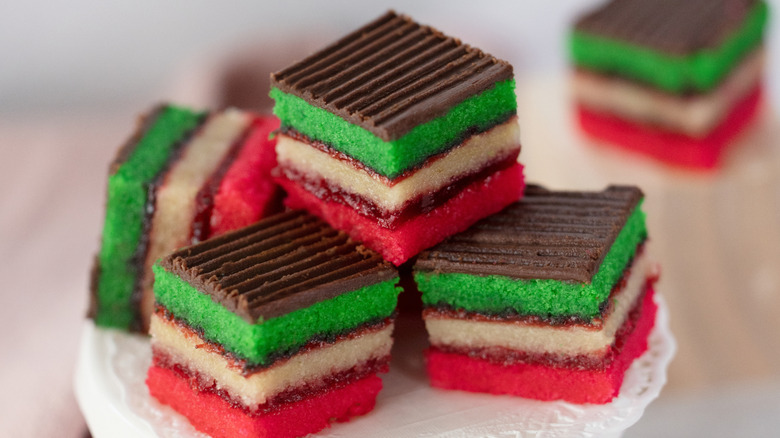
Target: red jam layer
{"points": [[139, 258], [247, 192], [505, 356], [357, 164], [212, 415], [241, 190], [541, 381], [204, 199], [672, 147], [241, 365], [477, 201], [206, 384], [330, 192]]}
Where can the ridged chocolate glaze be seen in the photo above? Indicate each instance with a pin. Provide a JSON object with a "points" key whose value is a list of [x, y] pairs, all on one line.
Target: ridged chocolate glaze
{"points": [[281, 264], [547, 235], [671, 26], [392, 75]]}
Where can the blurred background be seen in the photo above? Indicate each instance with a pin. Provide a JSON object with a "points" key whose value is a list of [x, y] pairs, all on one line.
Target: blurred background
{"points": [[74, 76]]}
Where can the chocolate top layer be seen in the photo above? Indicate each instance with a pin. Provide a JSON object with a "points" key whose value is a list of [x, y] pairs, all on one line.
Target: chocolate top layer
{"points": [[546, 235], [281, 264], [671, 26], [392, 75]]}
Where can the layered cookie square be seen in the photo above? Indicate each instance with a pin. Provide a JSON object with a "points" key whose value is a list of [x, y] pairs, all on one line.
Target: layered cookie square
{"points": [[550, 299], [675, 80], [184, 176], [277, 329], [398, 135]]}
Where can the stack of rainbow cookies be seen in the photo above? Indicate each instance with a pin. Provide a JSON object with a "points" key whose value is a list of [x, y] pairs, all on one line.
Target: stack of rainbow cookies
{"points": [[674, 80], [274, 330], [398, 135], [389, 142], [183, 177], [550, 299]]}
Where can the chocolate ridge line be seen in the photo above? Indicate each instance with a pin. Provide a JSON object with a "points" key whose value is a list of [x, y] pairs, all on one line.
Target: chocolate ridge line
{"points": [[139, 258], [421, 204], [200, 228], [546, 235], [248, 368], [278, 265], [505, 356], [357, 164], [671, 26], [392, 75]]}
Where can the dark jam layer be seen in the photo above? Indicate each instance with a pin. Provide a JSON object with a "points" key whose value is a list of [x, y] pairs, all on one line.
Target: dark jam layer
{"points": [[247, 368], [204, 199], [201, 383], [139, 258], [509, 316], [329, 192], [124, 153], [685, 95], [507, 357], [357, 164]]}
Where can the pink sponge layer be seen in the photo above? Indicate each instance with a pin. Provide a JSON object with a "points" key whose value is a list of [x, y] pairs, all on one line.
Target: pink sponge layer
{"points": [[211, 414], [539, 381], [476, 201], [671, 147], [247, 191]]}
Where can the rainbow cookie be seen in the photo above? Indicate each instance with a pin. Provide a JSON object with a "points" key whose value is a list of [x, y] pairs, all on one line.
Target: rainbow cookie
{"points": [[550, 299], [398, 135], [183, 177], [274, 330], [675, 80]]}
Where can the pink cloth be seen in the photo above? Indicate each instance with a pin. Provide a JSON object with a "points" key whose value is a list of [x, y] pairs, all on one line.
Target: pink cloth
{"points": [[52, 184]]}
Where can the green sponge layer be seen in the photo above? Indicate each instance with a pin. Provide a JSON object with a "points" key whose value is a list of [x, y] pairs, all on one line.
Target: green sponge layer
{"points": [[697, 72], [125, 205], [392, 158], [261, 343], [549, 299]]}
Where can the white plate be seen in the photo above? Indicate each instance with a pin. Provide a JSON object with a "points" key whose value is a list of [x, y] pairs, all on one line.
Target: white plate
{"points": [[113, 397]]}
